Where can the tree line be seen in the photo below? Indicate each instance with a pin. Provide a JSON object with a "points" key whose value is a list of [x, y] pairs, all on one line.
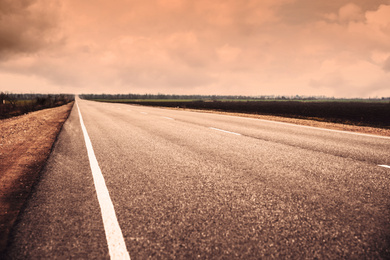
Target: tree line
{"points": [[12, 104]]}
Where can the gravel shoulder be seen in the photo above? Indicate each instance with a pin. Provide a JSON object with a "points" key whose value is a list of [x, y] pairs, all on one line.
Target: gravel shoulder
{"points": [[25, 144]]}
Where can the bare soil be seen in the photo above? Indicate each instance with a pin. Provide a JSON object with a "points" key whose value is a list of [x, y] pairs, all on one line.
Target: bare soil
{"points": [[25, 144]]}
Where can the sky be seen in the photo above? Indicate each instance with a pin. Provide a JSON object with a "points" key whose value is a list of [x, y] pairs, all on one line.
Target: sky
{"points": [[335, 48]]}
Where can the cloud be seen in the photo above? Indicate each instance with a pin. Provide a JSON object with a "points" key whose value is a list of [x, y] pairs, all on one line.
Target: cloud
{"points": [[228, 54], [27, 25], [308, 11], [350, 13], [249, 47], [386, 65]]}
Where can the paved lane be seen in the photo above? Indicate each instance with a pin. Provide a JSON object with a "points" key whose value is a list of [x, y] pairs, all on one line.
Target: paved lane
{"points": [[182, 188], [62, 219]]}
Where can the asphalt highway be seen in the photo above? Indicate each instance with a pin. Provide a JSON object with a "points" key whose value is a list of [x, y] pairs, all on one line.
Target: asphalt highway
{"points": [[191, 185]]}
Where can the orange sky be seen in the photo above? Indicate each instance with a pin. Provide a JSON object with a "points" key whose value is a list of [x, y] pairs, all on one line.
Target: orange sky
{"points": [[335, 48]]}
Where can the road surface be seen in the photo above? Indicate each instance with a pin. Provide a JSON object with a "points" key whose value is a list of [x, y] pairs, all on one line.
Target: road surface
{"points": [[191, 185]]}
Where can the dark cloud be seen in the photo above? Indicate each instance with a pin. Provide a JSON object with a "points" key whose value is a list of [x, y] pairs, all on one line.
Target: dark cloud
{"points": [[27, 25], [14, 6], [306, 11], [386, 65]]}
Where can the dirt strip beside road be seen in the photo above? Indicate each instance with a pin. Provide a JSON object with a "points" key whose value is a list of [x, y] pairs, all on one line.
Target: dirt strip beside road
{"points": [[25, 144]]}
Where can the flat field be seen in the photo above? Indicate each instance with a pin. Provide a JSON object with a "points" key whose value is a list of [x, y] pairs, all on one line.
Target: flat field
{"points": [[351, 112]]}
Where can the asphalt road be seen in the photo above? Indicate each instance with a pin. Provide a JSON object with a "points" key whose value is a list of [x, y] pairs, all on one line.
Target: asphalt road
{"points": [[191, 185]]}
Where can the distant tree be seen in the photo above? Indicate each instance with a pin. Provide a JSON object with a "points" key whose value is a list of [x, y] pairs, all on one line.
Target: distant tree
{"points": [[11, 99], [2, 98]]}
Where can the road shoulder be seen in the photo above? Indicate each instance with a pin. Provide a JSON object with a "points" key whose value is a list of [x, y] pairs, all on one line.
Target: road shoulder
{"points": [[25, 144]]}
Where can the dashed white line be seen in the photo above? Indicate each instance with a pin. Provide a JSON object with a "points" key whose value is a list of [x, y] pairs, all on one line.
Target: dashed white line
{"points": [[386, 166], [224, 131], [169, 118], [144, 113], [116, 243]]}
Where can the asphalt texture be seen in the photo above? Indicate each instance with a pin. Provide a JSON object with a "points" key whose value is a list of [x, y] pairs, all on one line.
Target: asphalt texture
{"points": [[183, 189]]}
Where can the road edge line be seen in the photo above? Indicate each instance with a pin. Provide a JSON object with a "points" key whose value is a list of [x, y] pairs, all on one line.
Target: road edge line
{"points": [[115, 240]]}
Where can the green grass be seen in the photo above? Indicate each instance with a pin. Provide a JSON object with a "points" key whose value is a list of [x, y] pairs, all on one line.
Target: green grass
{"points": [[20, 102]]}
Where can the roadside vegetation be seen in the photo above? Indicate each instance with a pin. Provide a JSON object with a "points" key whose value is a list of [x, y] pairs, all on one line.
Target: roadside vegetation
{"points": [[362, 112], [17, 104]]}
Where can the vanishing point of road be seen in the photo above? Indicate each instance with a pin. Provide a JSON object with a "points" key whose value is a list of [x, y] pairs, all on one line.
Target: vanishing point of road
{"points": [[126, 181]]}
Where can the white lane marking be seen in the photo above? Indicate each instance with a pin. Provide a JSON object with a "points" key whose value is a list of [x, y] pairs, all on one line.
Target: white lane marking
{"points": [[116, 243], [144, 113], [169, 118], [386, 166], [312, 127], [224, 131], [129, 110]]}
